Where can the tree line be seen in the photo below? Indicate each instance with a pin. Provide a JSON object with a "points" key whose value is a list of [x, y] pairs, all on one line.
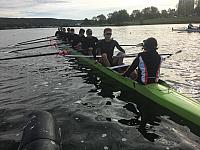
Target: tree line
{"points": [[15, 23], [185, 8], [186, 11]]}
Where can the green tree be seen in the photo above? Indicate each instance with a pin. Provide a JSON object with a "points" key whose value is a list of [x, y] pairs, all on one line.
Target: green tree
{"points": [[150, 12], [197, 8], [86, 21], [164, 13], [135, 15], [101, 18], [118, 17], [172, 12]]}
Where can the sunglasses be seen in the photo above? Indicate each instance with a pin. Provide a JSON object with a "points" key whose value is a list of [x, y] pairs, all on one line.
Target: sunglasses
{"points": [[108, 33]]}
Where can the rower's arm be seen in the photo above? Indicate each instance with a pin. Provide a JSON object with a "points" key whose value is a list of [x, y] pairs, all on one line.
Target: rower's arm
{"points": [[132, 67], [98, 47], [119, 47]]}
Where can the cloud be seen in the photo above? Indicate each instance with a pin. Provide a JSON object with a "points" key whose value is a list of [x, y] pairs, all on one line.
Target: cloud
{"points": [[50, 1], [74, 9], [16, 4]]}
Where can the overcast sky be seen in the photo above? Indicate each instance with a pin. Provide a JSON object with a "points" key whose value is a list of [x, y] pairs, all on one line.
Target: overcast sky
{"points": [[75, 9]]}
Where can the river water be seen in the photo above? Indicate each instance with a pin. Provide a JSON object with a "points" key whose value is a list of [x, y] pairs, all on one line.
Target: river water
{"points": [[93, 112]]}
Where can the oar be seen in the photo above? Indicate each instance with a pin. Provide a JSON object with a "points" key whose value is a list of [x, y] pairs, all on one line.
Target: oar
{"points": [[23, 43], [119, 66], [36, 39], [25, 49], [134, 55], [137, 45], [17, 45], [169, 55], [164, 54], [48, 54], [28, 56], [34, 42]]}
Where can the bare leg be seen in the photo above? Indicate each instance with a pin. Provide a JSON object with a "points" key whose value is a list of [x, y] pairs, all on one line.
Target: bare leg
{"points": [[90, 49], [134, 75], [104, 60], [119, 59]]}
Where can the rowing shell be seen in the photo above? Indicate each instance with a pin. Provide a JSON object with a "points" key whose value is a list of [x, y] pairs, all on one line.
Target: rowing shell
{"points": [[161, 94], [186, 30]]}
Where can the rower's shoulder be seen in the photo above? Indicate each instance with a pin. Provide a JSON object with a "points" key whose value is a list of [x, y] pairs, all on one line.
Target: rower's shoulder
{"points": [[101, 41], [114, 41], [94, 38]]}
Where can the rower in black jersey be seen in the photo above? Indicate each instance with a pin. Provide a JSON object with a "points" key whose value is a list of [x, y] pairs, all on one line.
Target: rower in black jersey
{"points": [[74, 39], [63, 34], [81, 36], [147, 63], [89, 44], [106, 46], [68, 33], [58, 32]]}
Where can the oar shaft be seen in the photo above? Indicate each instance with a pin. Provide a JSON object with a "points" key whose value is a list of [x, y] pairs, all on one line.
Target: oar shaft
{"points": [[48, 54], [28, 56], [134, 55], [137, 45], [33, 48], [128, 45], [35, 39], [34, 42]]}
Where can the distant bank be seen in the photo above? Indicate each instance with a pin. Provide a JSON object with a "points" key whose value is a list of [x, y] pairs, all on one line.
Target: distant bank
{"points": [[23, 23]]}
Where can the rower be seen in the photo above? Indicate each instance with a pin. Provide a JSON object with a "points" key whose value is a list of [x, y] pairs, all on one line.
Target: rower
{"points": [[190, 26], [81, 34], [74, 39], [63, 34], [147, 63], [68, 33], [58, 32], [106, 46], [89, 44]]}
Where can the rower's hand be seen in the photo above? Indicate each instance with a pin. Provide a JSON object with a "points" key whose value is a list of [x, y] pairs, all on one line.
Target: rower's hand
{"points": [[124, 74], [123, 54], [139, 45]]}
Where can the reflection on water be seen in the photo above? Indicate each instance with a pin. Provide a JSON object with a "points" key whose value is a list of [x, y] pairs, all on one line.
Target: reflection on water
{"points": [[142, 116], [93, 111]]}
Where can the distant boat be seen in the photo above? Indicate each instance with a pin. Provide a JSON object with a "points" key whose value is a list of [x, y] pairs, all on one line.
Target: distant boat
{"points": [[187, 30]]}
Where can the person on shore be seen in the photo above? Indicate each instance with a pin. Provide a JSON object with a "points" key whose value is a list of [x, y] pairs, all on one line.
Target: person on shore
{"points": [[105, 48], [147, 64], [89, 44]]}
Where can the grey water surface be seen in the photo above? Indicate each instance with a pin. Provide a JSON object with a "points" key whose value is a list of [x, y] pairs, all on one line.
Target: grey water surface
{"points": [[95, 112]]}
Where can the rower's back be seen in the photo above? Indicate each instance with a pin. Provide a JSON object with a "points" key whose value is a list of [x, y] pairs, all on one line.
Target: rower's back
{"points": [[148, 67], [149, 62]]}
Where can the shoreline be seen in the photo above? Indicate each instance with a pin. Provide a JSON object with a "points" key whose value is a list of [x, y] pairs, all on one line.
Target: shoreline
{"points": [[157, 21]]}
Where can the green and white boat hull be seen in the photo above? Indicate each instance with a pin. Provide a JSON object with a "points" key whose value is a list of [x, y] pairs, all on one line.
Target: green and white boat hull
{"points": [[161, 94]]}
